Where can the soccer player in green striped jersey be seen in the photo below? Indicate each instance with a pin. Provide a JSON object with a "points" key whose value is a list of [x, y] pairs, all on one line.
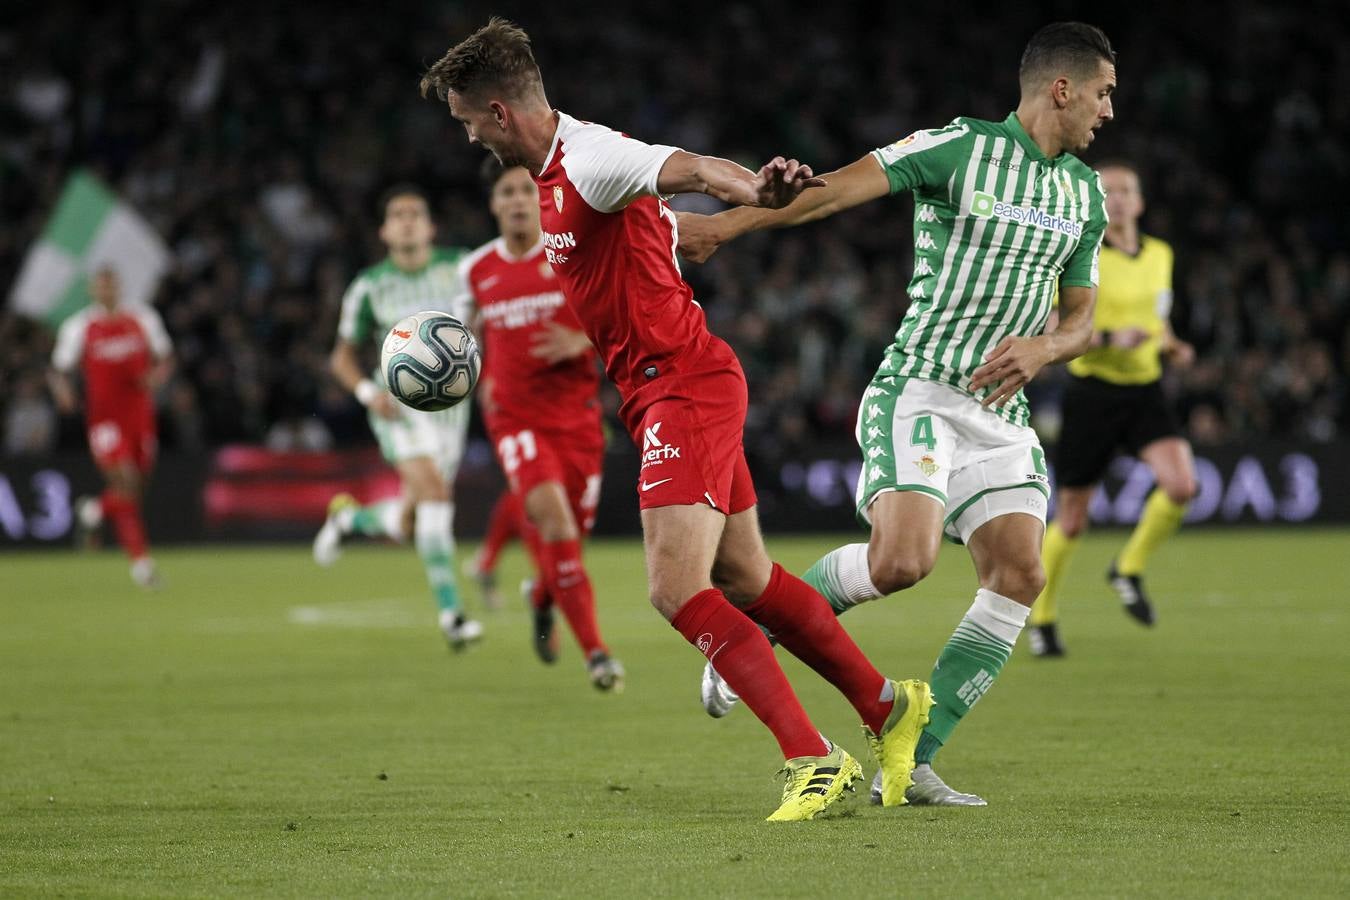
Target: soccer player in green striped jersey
{"points": [[1005, 216], [425, 447]]}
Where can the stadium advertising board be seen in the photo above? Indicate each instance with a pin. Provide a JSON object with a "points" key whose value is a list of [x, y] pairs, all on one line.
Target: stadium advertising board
{"points": [[248, 493]]}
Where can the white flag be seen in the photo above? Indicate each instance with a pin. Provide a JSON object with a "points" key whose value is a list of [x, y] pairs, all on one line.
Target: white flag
{"points": [[90, 229]]}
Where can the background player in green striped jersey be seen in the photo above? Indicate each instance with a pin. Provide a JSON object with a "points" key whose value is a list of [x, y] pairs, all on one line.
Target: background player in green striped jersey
{"points": [[1005, 216], [425, 447]]}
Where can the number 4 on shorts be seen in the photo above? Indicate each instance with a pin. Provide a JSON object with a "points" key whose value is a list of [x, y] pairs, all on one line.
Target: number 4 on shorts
{"points": [[923, 433]]}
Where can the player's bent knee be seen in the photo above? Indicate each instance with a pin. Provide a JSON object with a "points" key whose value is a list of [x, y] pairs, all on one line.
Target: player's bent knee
{"points": [[738, 583], [895, 573], [1180, 490], [1022, 581], [1071, 524]]}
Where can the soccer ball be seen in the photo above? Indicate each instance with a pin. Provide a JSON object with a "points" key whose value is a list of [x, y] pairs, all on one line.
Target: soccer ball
{"points": [[430, 361]]}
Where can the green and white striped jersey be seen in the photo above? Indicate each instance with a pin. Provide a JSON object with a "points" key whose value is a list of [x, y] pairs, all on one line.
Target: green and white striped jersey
{"points": [[384, 293], [998, 227]]}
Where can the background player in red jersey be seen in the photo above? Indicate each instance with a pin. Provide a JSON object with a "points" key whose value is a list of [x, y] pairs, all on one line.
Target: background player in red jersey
{"points": [[538, 397], [123, 356], [503, 527], [611, 240]]}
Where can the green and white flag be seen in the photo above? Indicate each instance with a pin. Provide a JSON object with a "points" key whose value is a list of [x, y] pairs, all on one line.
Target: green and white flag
{"points": [[91, 228]]}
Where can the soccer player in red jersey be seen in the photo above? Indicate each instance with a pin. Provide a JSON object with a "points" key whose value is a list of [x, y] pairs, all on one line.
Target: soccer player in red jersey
{"points": [[611, 239], [538, 397], [123, 354], [502, 528]]}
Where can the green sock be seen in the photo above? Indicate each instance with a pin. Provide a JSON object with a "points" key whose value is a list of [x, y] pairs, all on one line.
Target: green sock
{"points": [[968, 665], [842, 577], [436, 547], [381, 519]]}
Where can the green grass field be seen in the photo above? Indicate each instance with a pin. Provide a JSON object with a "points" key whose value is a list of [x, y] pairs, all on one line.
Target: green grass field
{"points": [[262, 728]]}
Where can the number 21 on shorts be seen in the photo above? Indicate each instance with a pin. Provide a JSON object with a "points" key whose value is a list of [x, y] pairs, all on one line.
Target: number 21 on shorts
{"points": [[517, 448]]}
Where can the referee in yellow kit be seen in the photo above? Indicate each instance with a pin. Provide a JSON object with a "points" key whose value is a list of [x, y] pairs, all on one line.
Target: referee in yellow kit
{"points": [[1114, 401]]}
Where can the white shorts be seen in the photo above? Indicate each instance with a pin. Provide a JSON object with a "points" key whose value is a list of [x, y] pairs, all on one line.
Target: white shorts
{"points": [[437, 435], [934, 439]]}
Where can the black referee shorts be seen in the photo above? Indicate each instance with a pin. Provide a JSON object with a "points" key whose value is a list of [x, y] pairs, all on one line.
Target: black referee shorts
{"points": [[1101, 418]]}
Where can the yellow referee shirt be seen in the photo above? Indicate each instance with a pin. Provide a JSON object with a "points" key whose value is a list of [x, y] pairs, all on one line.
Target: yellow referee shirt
{"points": [[1133, 292]]}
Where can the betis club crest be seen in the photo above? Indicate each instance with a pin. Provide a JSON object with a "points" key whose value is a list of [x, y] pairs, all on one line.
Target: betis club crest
{"points": [[927, 465], [558, 198]]}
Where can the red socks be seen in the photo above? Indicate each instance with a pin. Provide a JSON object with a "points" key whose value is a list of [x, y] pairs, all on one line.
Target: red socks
{"points": [[569, 587], [125, 513], [503, 524], [745, 661], [803, 622]]}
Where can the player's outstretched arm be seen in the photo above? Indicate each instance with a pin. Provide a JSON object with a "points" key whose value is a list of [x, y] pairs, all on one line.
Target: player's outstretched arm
{"points": [[1016, 360], [556, 343], [851, 186], [775, 185]]}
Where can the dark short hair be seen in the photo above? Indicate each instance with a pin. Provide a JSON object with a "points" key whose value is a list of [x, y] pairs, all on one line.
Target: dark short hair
{"points": [[491, 172], [403, 189], [496, 57], [1071, 48]]}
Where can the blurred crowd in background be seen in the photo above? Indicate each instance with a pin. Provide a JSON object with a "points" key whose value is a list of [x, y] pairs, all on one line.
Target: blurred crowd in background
{"points": [[257, 141]]}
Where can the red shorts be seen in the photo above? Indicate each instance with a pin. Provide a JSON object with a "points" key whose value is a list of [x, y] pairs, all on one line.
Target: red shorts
{"points": [[691, 431], [531, 457], [116, 441]]}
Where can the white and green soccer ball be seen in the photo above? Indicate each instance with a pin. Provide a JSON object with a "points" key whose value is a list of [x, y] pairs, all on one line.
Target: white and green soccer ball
{"points": [[430, 361]]}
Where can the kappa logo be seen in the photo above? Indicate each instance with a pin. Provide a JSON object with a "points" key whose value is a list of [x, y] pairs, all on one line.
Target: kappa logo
{"points": [[558, 197]]}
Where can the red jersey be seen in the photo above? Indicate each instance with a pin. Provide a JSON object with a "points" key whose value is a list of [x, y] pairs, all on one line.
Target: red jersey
{"points": [[114, 352], [516, 297], [611, 239]]}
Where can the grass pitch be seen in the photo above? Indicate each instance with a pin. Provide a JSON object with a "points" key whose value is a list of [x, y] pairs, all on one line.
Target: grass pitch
{"points": [[263, 728]]}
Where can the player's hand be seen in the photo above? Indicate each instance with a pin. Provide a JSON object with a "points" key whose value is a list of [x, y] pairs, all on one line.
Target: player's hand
{"points": [[1128, 338], [385, 406], [780, 181], [66, 403], [1180, 354], [1009, 367], [484, 395], [700, 236], [556, 343]]}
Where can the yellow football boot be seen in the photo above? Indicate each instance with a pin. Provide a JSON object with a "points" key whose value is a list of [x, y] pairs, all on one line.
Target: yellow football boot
{"points": [[814, 782], [894, 748]]}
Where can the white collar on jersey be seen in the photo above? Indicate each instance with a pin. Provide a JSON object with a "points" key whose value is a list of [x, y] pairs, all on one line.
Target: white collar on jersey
{"points": [[563, 121], [500, 246]]}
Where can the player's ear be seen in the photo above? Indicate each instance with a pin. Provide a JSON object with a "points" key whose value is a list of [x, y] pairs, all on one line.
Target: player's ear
{"points": [[500, 114], [1060, 90]]}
